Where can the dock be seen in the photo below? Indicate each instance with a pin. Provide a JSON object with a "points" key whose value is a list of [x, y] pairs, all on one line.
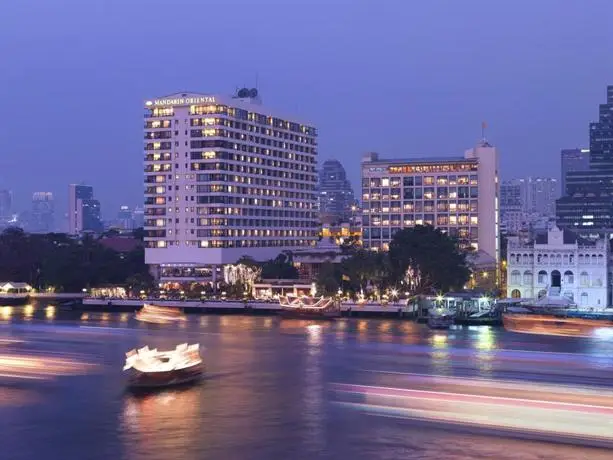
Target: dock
{"points": [[240, 307]]}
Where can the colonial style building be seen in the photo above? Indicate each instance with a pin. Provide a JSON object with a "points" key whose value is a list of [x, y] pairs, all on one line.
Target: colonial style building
{"points": [[558, 264]]}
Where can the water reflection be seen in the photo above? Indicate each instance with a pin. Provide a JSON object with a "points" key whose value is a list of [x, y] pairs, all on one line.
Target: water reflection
{"points": [[313, 410]]}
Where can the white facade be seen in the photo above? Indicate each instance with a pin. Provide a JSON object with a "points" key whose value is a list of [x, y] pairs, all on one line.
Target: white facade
{"points": [[459, 195], [557, 265], [225, 178]]}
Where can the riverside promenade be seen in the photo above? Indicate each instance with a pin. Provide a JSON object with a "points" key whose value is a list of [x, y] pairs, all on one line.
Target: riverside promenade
{"points": [[400, 310]]}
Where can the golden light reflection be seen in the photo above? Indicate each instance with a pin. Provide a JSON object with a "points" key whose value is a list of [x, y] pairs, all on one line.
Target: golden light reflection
{"points": [[204, 321], [84, 316], [362, 326], [268, 323], [485, 340], [28, 311], [7, 312], [50, 312], [439, 341], [385, 326], [105, 316], [124, 317]]}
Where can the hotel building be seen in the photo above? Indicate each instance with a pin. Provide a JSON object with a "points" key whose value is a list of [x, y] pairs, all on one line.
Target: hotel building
{"points": [[224, 178], [459, 195]]}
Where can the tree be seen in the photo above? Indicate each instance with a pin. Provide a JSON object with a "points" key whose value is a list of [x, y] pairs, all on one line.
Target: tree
{"points": [[366, 269], [328, 279], [427, 260], [281, 267]]}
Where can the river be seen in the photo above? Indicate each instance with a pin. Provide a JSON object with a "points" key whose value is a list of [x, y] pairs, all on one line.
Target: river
{"points": [[269, 392]]}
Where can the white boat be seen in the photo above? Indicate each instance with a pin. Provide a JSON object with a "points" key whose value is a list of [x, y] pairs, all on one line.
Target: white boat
{"points": [[309, 307], [150, 368], [440, 318], [159, 315]]}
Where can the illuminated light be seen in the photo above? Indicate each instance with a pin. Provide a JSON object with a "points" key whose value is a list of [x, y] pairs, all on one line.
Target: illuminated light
{"points": [[149, 103], [105, 316], [84, 317], [50, 312], [7, 312], [28, 311], [123, 317]]}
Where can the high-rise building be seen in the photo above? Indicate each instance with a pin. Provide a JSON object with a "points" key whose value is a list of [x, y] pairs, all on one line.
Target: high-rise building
{"points": [[83, 210], [540, 195], [125, 218], [588, 204], [459, 195], [573, 160], [335, 193], [224, 178], [42, 214], [6, 205], [511, 206]]}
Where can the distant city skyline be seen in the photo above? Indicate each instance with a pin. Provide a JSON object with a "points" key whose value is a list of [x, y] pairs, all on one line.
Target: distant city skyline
{"points": [[431, 100]]}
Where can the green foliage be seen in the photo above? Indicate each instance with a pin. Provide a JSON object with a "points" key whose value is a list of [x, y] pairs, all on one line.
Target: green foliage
{"points": [[434, 258], [56, 260], [366, 269], [280, 267], [329, 279]]}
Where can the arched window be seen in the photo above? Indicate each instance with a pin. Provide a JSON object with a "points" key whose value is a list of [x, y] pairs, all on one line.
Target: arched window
{"points": [[594, 259], [542, 277], [545, 259], [571, 259], [559, 259], [539, 258], [518, 258], [525, 259], [584, 298], [600, 259], [527, 278], [515, 294], [584, 279], [565, 259], [569, 278], [515, 277]]}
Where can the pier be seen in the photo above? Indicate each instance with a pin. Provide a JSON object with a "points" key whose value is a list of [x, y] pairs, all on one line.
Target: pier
{"points": [[243, 307]]}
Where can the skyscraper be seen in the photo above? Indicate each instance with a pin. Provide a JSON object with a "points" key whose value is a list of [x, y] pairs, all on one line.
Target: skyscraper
{"points": [[335, 193], [573, 160], [511, 206], [588, 204], [224, 177], [6, 205], [42, 214], [460, 195], [83, 210]]}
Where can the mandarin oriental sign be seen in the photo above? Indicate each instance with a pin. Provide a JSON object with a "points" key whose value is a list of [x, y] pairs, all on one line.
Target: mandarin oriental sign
{"points": [[181, 101]]}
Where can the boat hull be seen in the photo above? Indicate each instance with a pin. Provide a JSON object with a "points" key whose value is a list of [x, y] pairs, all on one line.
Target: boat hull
{"points": [[14, 299], [552, 325], [151, 380], [309, 314]]}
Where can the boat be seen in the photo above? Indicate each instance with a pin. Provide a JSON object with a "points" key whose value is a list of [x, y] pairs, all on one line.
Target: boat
{"points": [[12, 293], [549, 305], [150, 368], [159, 315], [440, 318], [553, 324], [309, 307]]}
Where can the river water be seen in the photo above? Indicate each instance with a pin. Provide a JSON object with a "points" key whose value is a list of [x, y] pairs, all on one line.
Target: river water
{"points": [[269, 393]]}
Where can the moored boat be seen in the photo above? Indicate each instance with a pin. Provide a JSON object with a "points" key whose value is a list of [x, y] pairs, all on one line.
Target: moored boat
{"points": [[440, 318], [309, 307], [150, 368], [159, 315], [12, 293]]}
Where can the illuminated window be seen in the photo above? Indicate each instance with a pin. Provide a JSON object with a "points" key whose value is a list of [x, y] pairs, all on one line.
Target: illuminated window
{"points": [[161, 244]]}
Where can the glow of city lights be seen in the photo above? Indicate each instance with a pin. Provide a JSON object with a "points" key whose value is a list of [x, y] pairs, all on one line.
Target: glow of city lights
{"points": [[28, 311], [7, 312], [50, 312]]}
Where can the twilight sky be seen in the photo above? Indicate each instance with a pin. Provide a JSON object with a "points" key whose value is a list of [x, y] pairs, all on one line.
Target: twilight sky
{"points": [[400, 77]]}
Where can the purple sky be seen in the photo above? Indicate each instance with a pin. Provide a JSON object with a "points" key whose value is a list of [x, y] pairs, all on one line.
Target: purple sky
{"points": [[403, 77]]}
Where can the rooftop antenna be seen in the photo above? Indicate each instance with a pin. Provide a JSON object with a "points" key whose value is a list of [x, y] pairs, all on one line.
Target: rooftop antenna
{"points": [[483, 128]]}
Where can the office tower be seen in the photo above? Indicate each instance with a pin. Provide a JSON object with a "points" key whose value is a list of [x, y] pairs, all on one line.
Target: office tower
{"points": [[42, 214], [6, 205], [83, 210], [459, 195], [511, 208], [335, 193], [588, 204], [224, 178], [125, 218], [138, 217], [573, 160], [540, 196]]}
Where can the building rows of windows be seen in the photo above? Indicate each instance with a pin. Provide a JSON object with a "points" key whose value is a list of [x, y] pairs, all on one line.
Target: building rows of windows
{"points": [[527, 278], [232, 243], [558, 259], [410, 181], [224, 189], [244, 211], [420, 193], [241, 223], [255, 120], [410, 220]]}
